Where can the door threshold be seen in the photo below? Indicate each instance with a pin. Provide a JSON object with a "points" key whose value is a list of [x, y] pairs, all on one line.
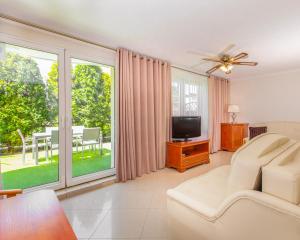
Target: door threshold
{"points": [[85, 187]]}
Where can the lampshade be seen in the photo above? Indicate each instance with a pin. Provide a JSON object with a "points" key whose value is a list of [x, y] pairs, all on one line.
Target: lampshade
{"points": [[226, 68], [233, 108]]}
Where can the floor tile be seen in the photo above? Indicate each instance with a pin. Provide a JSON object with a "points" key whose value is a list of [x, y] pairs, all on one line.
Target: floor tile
{"points": [[85, 222], [132, 200], [156, 224], [154, 239], [132, 210], [121, 224], [159, 200]]}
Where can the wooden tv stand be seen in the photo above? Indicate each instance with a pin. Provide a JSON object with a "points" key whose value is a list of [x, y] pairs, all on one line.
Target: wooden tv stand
{"points": [[183, 155]]}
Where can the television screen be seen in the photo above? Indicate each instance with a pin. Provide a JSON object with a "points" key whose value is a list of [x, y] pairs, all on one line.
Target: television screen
{"points": [[186, 127]]}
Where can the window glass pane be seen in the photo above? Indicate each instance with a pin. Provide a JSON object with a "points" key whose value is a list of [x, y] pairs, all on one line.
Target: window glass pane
{"points": [[28, 117], [190, 96], [176, 98], [191, 104], [91, 117]]}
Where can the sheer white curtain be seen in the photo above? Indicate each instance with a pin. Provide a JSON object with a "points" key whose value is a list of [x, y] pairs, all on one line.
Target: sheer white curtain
{"points": [[190, 96]]}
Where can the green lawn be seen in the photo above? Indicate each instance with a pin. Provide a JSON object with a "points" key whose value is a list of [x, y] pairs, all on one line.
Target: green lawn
{"points": [[89, 162]]}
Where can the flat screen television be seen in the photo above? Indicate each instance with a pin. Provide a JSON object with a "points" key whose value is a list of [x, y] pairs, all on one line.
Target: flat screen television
{"points": [[184, 128]]}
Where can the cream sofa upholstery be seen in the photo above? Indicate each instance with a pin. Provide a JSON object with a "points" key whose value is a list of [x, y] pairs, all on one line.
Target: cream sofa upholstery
{"points": [[289, 129], [281, 177], [247, 162], [227, 202]]}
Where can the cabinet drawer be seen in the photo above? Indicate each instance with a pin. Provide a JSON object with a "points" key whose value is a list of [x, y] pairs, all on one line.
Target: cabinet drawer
{"points": [[195, 159]]}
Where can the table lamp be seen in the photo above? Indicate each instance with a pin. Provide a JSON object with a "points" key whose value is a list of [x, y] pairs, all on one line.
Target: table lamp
{"points": [[233, 110]]}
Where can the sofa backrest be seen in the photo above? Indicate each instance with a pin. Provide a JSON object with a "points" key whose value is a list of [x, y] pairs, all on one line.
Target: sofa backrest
{"points": [[247, 162], [289, 129], [281, 177]]}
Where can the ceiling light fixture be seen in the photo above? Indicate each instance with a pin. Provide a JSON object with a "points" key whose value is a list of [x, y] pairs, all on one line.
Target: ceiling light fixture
{"points": [[226, 68], [225, 61]]}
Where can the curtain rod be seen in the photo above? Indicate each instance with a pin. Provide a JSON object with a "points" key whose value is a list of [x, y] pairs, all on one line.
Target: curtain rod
{"points": [[30, 24], [204, 75], [148, 58]]}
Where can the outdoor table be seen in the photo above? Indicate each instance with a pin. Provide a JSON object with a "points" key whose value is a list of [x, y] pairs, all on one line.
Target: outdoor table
{"points": [[77, 131]]}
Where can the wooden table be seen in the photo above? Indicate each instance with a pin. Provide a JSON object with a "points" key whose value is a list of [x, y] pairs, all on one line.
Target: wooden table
{"points": [[36, 215]]}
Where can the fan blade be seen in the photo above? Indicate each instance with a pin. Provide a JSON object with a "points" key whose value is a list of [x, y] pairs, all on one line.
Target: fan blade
{"points": [[227, 49], [240, 55], [212, 60], [214, 69], [202, 54], [245, 63]]}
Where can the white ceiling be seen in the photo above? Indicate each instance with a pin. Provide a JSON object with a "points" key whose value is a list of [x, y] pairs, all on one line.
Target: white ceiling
{"points": [[268, 30]]}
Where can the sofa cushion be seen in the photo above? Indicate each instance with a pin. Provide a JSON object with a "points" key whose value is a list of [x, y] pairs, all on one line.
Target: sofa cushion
{"points": [[246, 163], [281, 177], [208, 189]]}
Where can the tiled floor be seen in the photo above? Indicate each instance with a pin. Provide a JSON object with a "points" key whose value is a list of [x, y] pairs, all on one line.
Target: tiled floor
{"points": [[132, 210]]}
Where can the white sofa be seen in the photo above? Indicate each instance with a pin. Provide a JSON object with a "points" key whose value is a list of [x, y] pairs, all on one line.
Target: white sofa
{"points": [[289, 129], [256, 197]]}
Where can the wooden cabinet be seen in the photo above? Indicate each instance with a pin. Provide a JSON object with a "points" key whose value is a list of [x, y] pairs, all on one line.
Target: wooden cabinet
{"points": [[232, 135], [183, 155]]}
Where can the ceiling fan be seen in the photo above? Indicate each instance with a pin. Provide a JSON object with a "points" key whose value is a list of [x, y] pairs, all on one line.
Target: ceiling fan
{"points": [[225, 61]]}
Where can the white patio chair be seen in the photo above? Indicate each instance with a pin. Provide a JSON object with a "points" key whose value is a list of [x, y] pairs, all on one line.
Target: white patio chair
{"points": [[77, 132], [26, 144], [49, 129], [92, 137], [54, 142], [77, 129]]}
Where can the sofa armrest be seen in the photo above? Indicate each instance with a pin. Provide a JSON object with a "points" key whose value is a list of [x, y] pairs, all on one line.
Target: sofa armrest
{"points": [[244, 215], [212, 214], [205, 211], [261, 198]]}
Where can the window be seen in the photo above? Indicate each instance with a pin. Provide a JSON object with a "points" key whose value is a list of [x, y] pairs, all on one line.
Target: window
{"points": [[190, 96]]}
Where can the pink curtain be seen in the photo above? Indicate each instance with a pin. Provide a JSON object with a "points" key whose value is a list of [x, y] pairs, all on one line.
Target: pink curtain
{"points": [[144, 113], [218, 91], [1, 197]]}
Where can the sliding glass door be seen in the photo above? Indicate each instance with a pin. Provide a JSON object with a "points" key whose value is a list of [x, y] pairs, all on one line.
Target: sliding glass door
{"points": [[56, 116], [30, 91], [91, 136]]}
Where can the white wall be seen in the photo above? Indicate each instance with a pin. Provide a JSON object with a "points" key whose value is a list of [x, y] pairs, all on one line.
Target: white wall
{"points": [[13, 30], [272, 97]]}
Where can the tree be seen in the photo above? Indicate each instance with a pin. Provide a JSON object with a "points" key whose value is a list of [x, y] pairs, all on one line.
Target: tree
{"points": [[23, 102], [52, 91], [28, 104], [91, 96]]}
